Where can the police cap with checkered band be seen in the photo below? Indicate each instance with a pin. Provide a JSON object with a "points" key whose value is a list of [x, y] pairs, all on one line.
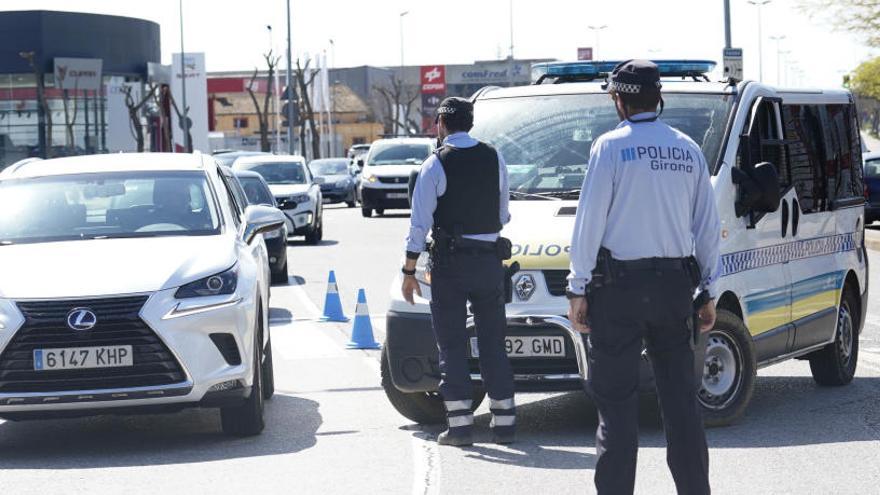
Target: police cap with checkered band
{"points": [[635, 76], [457, 111]]}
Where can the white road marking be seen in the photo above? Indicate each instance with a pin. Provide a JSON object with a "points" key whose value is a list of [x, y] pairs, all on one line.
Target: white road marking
{"points": [[426, 465]]}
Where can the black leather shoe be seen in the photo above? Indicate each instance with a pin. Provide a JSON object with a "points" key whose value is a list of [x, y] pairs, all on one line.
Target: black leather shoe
{"points": [[455, 440]]}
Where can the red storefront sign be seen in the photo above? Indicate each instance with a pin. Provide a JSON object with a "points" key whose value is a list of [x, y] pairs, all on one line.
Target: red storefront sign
{"points": [[433, 79]]}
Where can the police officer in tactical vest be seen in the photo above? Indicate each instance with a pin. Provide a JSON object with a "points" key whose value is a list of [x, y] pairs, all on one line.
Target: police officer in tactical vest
{"points": [[461, 196], [646, 238]]}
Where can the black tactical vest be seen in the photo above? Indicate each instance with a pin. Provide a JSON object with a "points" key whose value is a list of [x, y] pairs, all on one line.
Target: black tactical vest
{"points": [[471, 201]]}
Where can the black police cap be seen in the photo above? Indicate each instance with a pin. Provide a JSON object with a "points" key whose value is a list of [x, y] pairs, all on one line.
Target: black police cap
{"points": [[635, 76], [456, 107]]}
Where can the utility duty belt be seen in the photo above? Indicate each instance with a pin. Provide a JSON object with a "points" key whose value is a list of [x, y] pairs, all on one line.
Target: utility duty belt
{"points": [[609, 270], [445, 245]]}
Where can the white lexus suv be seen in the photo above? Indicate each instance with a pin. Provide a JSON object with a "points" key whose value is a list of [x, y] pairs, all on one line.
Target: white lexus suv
{"points": [[132, 283]]}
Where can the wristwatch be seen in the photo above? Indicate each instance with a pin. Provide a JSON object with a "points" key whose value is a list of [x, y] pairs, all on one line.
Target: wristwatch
{"points": [[571, 295], [408, 272]]}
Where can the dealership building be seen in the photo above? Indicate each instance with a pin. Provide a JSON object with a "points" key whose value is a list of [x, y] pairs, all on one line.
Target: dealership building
{"points": [[55, 71]]}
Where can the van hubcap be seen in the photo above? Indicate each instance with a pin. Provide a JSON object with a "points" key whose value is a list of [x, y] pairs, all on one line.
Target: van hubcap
{"points": [[721, 371], [844, 334]]}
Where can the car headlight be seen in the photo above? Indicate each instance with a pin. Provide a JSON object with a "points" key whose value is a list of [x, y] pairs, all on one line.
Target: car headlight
{"points": [[369, 177], [423, 268], [272, 234], [300, 198], [216, 285]]}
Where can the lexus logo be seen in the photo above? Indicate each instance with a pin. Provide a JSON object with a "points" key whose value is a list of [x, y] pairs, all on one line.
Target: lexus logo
{"points": [[81, 319]]}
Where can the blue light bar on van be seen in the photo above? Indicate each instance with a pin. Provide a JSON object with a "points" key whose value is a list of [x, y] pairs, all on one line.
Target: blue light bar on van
{"points": [[587, 71]]}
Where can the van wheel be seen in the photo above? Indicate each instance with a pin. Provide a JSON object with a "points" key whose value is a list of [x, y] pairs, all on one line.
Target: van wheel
{"points": [[835, 364], [247, 419], [729, 371], [367, 212], [424, 408]]}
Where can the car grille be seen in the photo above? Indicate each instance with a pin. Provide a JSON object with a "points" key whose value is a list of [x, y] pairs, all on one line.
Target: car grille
{"points": [[537, 365], [557, 281], [394, 180], [118, 323]]}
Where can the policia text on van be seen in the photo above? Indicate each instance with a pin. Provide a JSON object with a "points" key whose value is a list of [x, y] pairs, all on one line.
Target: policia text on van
{"points": [[787, 181]]}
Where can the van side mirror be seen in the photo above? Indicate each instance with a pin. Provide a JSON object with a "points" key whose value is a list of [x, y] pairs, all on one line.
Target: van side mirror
{"points": [[758, 189]]}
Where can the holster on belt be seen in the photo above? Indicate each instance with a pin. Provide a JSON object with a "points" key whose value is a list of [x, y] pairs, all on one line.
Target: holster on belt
{"points": [[604, 273]]}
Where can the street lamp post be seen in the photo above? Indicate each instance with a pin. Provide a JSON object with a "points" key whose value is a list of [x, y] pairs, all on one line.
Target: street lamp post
{"points": [[597, 30], [187, 146], [778, 40], [760, 4], [275, 102], [290, 92], [784, 63], [397, 110]]}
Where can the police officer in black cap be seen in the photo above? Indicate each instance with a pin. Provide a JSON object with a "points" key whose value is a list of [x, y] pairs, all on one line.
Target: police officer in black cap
{"points": [[646, 238], [461, 196]]}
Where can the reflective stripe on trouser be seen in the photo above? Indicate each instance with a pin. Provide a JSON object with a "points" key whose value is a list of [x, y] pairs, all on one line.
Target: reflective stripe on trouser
{"points": [[503, 415], [459, 416]]}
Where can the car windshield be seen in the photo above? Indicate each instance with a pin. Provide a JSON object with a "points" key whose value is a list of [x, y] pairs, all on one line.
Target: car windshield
{"points": [[546, 140], [872, 168], [323, 168], [278, 172], [227, 159], [398, 154], [110, 205], [257, 193]]}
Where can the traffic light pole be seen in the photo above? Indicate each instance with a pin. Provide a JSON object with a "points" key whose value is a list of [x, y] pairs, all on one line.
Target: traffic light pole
{"points": [[290, 99]]}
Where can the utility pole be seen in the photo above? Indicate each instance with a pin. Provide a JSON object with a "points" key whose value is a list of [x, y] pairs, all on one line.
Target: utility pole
{"points": [[184, 125], [398, 109], [760, 4], [290, 99], [510, 55], [727, 41], [275, 103], [778, 40], [597, 30]]}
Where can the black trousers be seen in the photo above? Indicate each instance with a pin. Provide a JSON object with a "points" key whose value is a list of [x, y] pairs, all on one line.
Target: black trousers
{"points": [[478, 279], [655, 308]]}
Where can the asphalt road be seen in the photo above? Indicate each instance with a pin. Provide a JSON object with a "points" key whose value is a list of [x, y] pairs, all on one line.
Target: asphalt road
{"points": [[331, 430]]}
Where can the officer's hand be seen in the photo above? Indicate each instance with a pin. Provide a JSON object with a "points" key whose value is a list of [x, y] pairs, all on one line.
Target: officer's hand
{"points": [[706, 315], [577, 314], [410, 285]]}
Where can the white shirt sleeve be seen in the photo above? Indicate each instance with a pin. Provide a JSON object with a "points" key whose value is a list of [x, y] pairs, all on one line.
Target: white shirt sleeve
{"points": [[592, 212], [706, 229]]}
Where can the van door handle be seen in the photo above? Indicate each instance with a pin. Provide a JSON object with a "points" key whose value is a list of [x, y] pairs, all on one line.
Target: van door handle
{"points": [[784, 218], [795, 216]]}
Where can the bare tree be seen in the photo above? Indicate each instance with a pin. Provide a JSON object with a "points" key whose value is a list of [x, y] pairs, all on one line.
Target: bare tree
{"points": [[304, 80], [398, 99], [861, 17], [134, 113], [263, 114], [69, 120], [42, 101]]}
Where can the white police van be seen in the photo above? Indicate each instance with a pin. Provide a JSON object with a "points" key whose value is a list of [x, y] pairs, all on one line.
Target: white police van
{"points": [[788, 183]]}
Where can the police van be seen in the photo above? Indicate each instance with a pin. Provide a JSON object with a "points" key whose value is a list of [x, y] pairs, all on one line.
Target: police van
{"points": [[788, 182]]}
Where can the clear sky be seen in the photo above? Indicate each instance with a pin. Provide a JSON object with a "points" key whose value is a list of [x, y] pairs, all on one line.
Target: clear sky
{"points": [[233, 33]]}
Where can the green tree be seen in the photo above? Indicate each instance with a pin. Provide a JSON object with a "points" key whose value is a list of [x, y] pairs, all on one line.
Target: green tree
{"points": [[865, 80], [860, 17]]}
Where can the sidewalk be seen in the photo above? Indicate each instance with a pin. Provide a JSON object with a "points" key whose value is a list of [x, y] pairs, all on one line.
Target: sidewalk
{"points": [[872, 239]]}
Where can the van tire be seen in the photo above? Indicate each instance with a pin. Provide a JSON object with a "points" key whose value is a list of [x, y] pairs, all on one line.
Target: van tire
{"points": [[425, 408], [728, 344], [835, 364]]}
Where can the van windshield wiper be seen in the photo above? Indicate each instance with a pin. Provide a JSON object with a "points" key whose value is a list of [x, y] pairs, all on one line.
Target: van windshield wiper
{"points": [[569, 194], [524, 195]]}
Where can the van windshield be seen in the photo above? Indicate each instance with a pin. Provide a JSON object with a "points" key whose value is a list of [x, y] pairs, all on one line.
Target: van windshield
{"points": [[546, 140]]}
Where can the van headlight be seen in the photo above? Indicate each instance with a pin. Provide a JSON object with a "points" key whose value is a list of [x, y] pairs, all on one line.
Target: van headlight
{"points": [[423, 269], [216, 285]]}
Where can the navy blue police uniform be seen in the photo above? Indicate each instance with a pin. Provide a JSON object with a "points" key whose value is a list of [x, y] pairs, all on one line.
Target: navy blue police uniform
{"points": [[646, 237], [461, 196]]}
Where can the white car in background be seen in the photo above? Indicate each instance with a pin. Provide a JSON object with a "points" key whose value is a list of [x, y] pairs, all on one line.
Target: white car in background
{"points": [[386, 173], [132, 283], [296, 191]]}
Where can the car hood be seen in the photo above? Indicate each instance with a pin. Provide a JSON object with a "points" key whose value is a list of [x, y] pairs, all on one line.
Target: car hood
{"points": [[333, 179], [541, 233], [102, 267], [279, 190], [393, 170]]}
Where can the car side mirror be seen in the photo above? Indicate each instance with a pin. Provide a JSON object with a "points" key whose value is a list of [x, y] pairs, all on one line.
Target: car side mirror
{"points": [[260, 219], [360, 163], [758, 189]]}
